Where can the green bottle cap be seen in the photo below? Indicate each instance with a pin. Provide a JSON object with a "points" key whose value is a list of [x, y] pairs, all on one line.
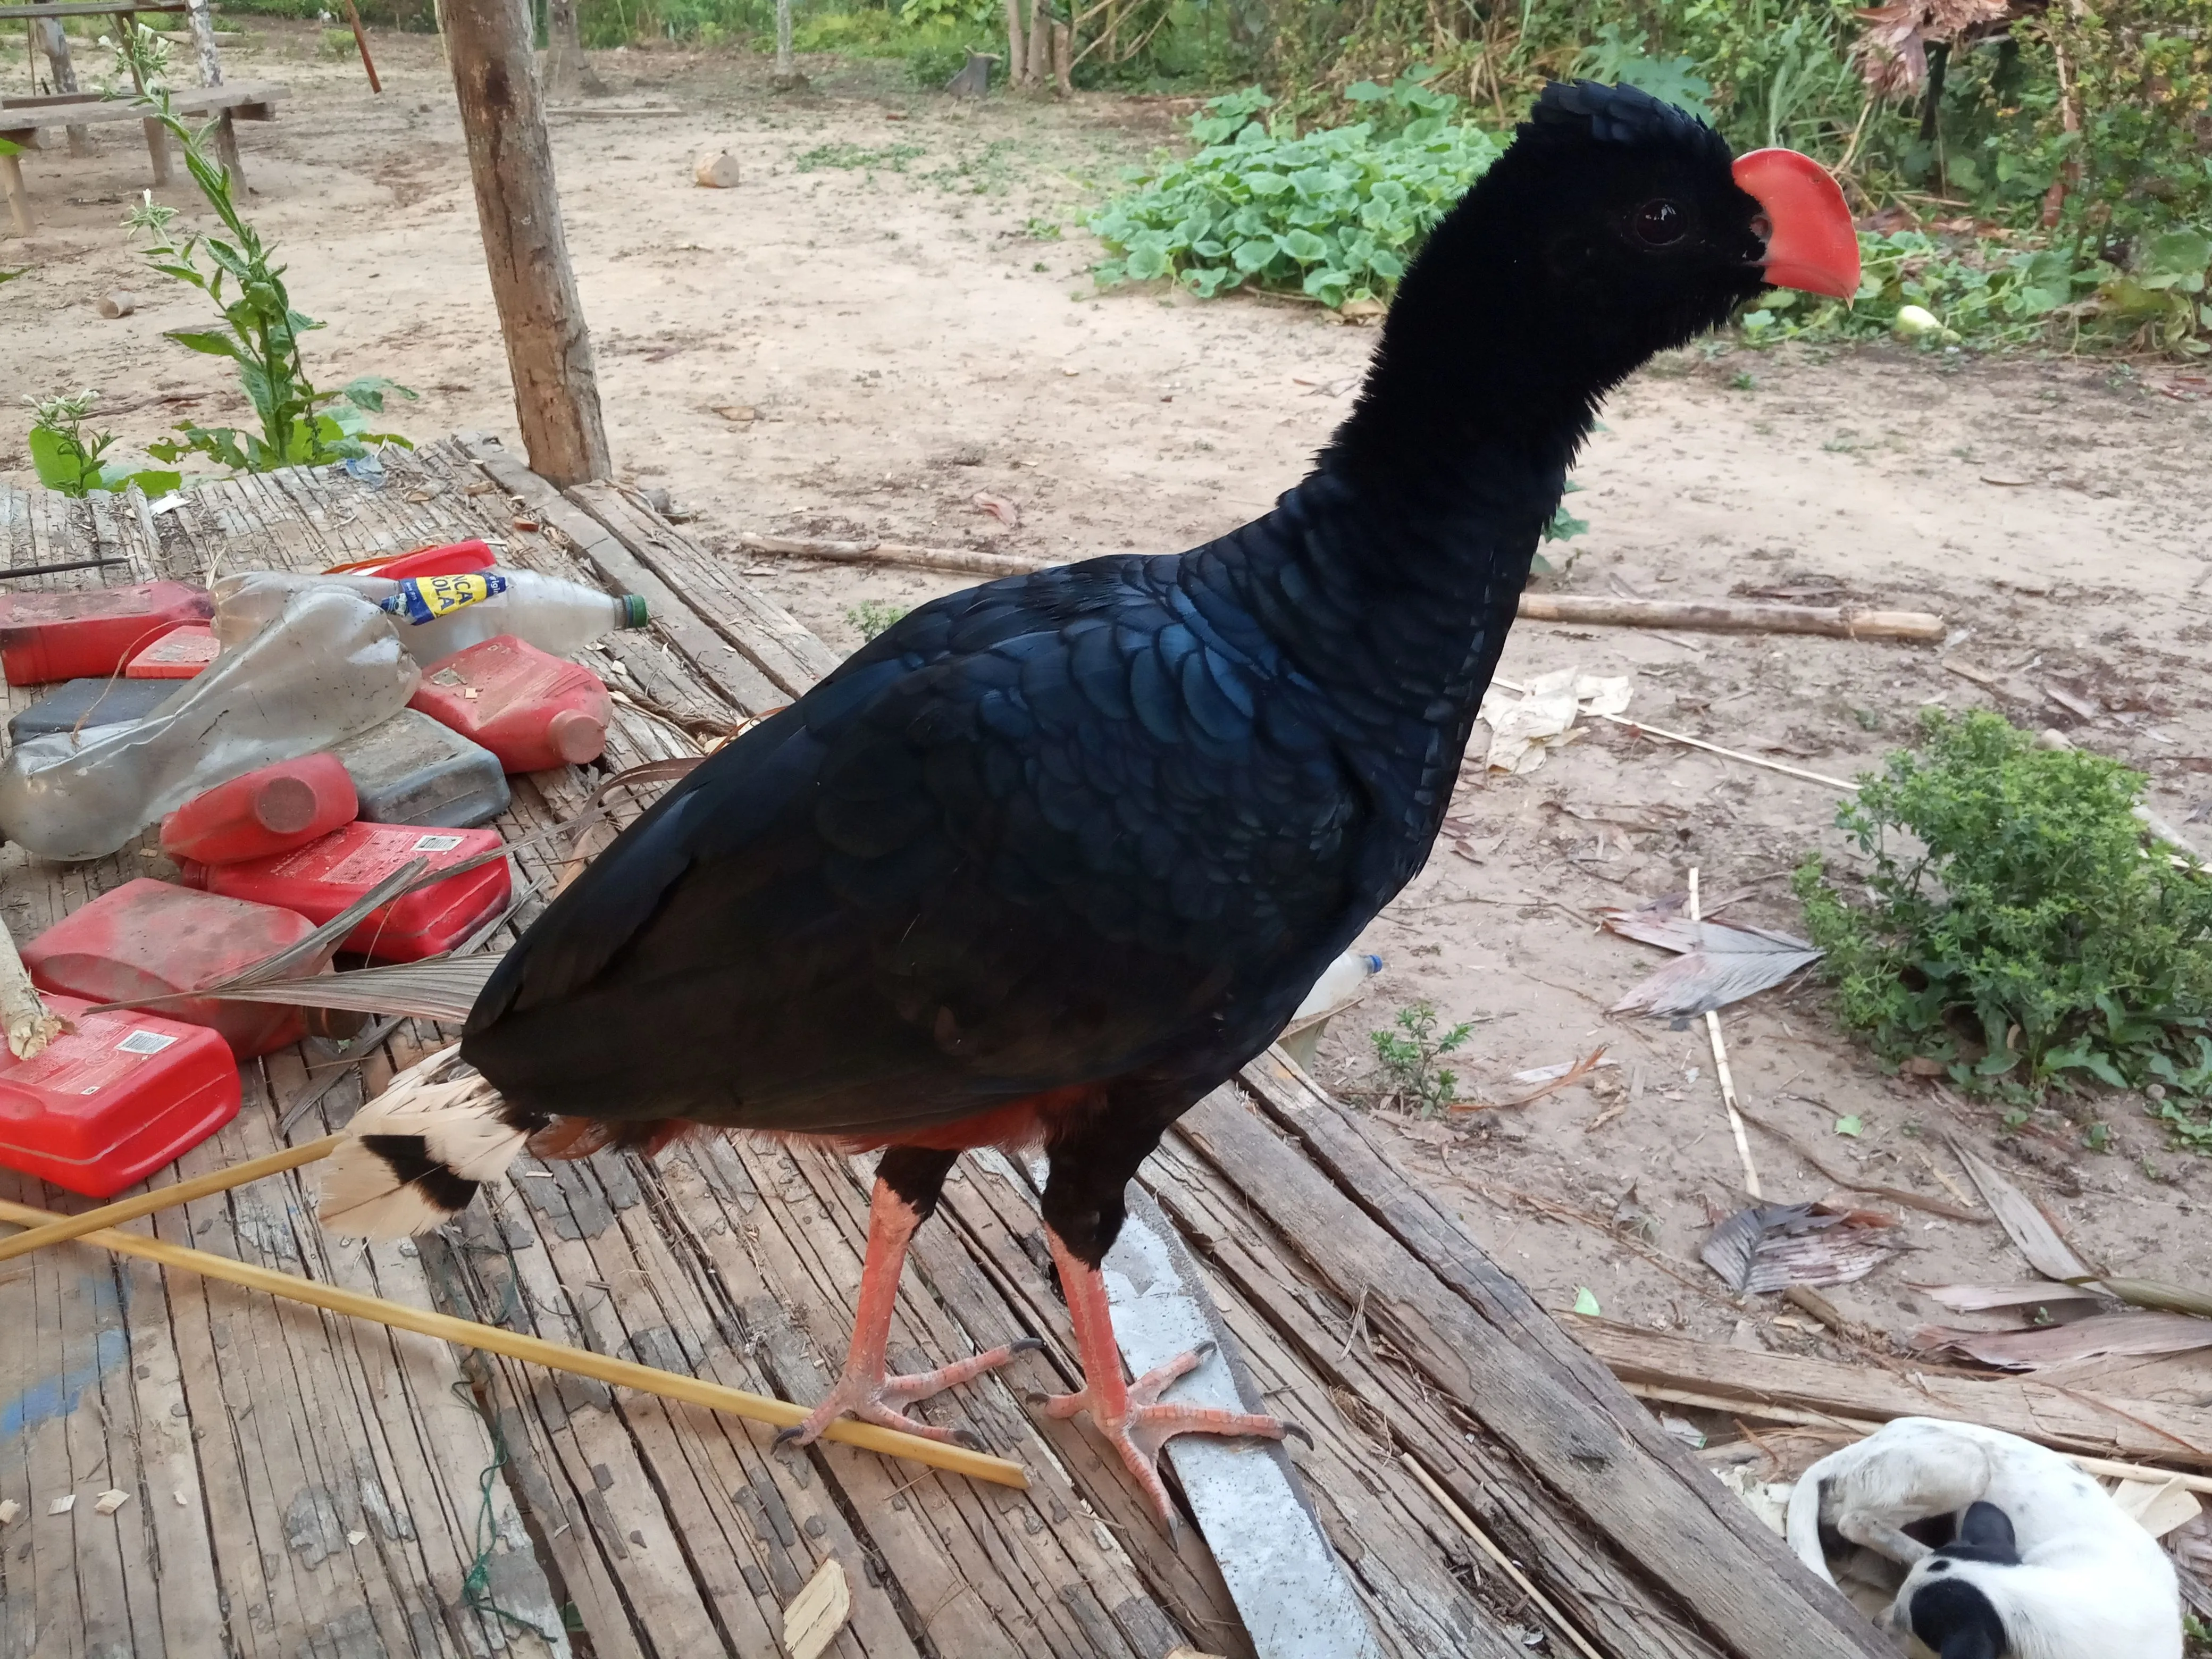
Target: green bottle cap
{"points": [[633, 613]]}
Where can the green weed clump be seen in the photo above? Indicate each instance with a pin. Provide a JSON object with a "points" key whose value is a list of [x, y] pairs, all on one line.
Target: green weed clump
{"points": [[1407, 1060], [1335, 213], [2021, 929]]}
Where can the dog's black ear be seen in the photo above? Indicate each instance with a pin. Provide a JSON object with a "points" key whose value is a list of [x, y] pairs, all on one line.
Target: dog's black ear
{"points": [[1987, 1529], [1957, 1620]]}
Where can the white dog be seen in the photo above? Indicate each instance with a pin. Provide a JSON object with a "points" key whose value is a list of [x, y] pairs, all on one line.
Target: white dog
{"points": [[2046, 1565]]}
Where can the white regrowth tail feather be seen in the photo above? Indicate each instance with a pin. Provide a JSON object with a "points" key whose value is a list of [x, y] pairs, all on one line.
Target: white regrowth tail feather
{"points": [[415, 1156]]}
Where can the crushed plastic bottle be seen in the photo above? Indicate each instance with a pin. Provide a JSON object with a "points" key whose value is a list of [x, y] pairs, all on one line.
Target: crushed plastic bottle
{"points": [[438, 616], [328, 667]]}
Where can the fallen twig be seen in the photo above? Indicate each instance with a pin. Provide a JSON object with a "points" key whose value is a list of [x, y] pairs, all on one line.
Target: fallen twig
{"points": [[1727, 1078], [1911, 1200], [1831, 621]]}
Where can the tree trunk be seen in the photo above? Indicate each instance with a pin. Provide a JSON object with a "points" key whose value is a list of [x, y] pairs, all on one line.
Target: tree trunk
{"points": [[1018, 52], [786, 77], [1063, 56], [1040, 65], [549, 349], [568, 73], [202, 24], [55, 43], [1931, 110]]}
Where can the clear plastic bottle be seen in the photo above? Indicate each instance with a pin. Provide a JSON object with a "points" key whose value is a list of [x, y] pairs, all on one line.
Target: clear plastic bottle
{"points": [[438, 616], [328, 666]]}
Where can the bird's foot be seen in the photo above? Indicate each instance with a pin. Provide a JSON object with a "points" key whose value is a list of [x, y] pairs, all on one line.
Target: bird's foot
{"points": [[867, 1394], [1142, 1425]]}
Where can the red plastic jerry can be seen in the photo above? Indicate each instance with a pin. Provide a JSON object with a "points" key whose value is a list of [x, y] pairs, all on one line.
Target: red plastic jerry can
{"points": [[451, 559], [321, 879], [90, 631], [532, 709], [107, 1104], [182, 653], [146, 937], [269, 810]]}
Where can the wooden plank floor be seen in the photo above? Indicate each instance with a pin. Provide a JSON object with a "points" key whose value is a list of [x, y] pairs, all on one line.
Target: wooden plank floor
{"points": [[301, 1485]]}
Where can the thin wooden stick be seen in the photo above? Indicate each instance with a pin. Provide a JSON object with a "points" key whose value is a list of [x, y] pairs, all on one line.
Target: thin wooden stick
{"points": [[1727, 1078], [536, 1350], [1688, 742], [1488, 1545], [1829, 620], [1797, 1417], [165, 1198], [360, 40]]}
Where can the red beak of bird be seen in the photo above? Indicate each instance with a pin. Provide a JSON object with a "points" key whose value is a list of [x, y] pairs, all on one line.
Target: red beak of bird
{"points": [[1811, 243]]}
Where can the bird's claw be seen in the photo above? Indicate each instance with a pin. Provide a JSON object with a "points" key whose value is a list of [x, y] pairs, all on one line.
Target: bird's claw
{"points": [[876, 1398], [1148, 1424]]}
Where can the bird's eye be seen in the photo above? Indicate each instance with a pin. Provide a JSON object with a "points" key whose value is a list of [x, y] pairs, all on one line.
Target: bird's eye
{"points": [[1660, 224]]}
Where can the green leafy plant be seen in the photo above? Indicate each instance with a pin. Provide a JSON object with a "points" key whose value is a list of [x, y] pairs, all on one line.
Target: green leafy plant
{"points": [[68, 458], [869, 617], [141, 61], [2019, 930], [260, 334], [1407, 1060], [1335, 213], [851, 157]]}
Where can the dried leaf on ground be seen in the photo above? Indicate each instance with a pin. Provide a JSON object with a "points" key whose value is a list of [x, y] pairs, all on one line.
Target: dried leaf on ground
{"points": [[1726, 964], [2026, 1225], [2159, 1504], [2133, 1335], [1768, 1247], [1980, 1298], [2155, 1293], [1524, 729], [1000, 508]]}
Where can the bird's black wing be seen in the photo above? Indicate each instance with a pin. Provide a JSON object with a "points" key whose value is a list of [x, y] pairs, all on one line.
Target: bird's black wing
{"points": [[1040, 833]]}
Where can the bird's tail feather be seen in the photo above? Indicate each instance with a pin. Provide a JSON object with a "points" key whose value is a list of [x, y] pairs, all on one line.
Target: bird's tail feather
{"points": [[415, 1156]]}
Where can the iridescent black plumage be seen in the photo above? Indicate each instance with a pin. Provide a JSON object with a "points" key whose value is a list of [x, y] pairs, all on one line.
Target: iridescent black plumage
{"points": [[1092, 834]]}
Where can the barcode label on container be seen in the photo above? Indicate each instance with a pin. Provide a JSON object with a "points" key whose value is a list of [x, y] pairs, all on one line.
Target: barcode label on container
{"points": [[437, 843], [145, 1043]]}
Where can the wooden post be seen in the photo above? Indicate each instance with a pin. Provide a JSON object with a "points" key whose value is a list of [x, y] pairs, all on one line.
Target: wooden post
{"points": [[1017, 49], [196, 18], [1040, 64], [54, 41], [568, 73], [360, 40], [549, 349], [786, 77]]}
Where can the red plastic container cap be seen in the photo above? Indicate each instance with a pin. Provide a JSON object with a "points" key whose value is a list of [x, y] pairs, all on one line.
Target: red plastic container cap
{"points": [[530, 708], [321, 879], [147, 938], [178, 655], [92, 631], [107, 1104], [452, 559], [266, 811]]}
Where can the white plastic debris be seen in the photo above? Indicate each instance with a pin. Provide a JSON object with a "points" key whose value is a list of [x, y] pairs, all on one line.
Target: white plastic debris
{"points": [[62, 1505], [1524, 729], [9, 1509], [111, 1500], [355, 1537]]}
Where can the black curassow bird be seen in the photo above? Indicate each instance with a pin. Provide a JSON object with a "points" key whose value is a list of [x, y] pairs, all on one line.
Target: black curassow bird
{"points": [[1053, 857]]}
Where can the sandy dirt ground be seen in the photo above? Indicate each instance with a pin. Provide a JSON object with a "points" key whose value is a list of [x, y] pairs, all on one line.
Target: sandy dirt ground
{"points": [[890, 316]]}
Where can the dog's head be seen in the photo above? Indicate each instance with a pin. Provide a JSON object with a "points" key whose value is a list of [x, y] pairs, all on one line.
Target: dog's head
{"points": [[1946, 1601]]}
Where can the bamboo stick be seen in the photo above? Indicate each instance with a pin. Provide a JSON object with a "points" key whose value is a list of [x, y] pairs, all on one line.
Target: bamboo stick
{"points": [[1726, 1077], [536, 1350], [1488, 1545], [165, 1198]]}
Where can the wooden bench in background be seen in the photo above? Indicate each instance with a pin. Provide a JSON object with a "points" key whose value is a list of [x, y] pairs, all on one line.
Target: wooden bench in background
{"points": [[22, 119]]}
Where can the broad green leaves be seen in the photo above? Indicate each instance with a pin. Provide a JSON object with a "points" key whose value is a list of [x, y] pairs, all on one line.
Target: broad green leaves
{"points": [[1335, 213]]}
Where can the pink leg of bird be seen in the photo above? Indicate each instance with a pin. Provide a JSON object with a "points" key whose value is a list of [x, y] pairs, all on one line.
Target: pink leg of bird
{"points": [[864, 1391], [1130, 1414]]}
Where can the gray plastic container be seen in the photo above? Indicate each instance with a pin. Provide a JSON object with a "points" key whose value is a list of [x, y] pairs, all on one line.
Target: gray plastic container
{"points": [[119, 703], [412, 770]]}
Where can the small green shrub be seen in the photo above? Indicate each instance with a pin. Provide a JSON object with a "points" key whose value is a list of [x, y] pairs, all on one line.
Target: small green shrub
{"points": [[1335, 213], [870, 617], [1407, 1069], [335, 46], [67, 457], [2020, 932]]}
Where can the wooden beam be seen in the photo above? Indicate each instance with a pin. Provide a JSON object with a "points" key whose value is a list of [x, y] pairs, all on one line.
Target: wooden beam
{"points": [[549, 349], [2066, 1417]]}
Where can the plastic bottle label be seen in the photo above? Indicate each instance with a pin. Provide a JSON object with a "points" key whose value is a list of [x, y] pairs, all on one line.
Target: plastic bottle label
{"points": [[437, 843], [145, 1043], [424, 598]]}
